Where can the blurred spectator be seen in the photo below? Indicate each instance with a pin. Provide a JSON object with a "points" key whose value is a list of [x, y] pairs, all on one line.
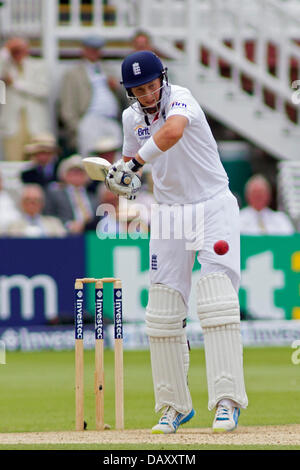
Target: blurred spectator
{"points": [[117, 215], [69, 200], [145, 197], [43, 152], [107, 147], [106, 220], [134, 217], [263, 163], [142, 41], [8, 210], [32, 223], [257, 218], [26, 111], [91, 101]]}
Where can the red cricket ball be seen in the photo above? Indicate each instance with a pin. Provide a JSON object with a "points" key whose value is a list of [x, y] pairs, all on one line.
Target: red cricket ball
{"points": [[221, 247]]}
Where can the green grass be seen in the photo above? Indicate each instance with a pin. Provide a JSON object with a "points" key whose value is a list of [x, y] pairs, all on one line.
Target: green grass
{"points": [[37, 390]]}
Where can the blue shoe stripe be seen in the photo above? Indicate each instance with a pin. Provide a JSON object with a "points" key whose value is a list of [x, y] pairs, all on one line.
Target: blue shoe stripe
{"points": [[180, 419], [176, 421], [188, 417], [236, 415]]}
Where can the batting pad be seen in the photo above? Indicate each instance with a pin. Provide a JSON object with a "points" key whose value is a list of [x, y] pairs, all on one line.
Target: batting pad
{"points": [[219, 313], [165, 322], [165, 312]]}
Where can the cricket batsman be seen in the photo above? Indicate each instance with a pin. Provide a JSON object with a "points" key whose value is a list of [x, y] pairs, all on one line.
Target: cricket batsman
{"points": [[164, 126]]}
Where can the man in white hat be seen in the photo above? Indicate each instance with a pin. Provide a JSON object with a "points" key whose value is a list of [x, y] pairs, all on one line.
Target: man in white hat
{"points": [[43, 152], [70, 200]]}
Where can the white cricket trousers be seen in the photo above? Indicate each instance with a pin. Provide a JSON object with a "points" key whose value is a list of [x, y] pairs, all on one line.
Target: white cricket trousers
{"points": [[180, 234]]}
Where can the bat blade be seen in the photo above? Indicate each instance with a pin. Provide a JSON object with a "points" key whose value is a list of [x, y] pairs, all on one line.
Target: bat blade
{"points": [[96, 167]]}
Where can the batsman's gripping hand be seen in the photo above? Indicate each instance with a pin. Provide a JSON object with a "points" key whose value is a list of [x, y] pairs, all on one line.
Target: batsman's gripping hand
{"points": [[121, 173], [122, 180]]}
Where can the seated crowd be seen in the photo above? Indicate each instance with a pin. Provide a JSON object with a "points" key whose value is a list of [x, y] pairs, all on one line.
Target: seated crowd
{"points": [[56, 197]]}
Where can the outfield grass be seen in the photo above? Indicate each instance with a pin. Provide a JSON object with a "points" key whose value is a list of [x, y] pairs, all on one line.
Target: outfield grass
{"points": [[37, 390]]}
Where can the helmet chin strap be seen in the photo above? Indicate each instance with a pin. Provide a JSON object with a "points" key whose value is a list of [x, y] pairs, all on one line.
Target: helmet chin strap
{"points": [[144, 109], [164, 90], [159, 106]]}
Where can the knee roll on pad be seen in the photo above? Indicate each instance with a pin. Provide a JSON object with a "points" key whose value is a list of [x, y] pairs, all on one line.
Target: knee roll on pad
{"points": [[219, 314], [165, 312], [165, 321], [217, 301]]}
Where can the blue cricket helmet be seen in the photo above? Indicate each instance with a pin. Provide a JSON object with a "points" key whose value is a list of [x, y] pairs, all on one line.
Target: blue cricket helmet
{"points": [[141, 67]]}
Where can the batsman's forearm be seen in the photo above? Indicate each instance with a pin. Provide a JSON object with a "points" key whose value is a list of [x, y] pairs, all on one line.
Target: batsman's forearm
{"points": [[170, 133], [139, 159], [166, 137]]}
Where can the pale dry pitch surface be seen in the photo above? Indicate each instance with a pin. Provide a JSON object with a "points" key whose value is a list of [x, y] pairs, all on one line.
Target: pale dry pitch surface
{"points": [[251, 435]]}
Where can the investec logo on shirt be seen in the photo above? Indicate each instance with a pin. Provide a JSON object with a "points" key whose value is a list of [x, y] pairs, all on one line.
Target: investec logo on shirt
{"points": [[142, 132], [26, 288]]}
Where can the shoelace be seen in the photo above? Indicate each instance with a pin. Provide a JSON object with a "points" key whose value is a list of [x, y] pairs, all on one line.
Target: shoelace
{"points": [[222, 412], [168, 416]]}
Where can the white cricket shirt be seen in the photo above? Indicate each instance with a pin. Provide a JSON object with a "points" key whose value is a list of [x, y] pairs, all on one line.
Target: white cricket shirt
{"points": [[190, 171]]}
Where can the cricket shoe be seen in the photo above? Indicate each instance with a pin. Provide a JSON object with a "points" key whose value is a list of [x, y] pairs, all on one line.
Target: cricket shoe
{"points": [[171, 420], [226, 418]]}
